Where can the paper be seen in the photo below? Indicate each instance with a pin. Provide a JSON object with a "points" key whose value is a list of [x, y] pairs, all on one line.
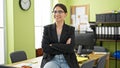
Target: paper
{"points": [[80, 59], [33, 64], [83, 18], [22, 64], [80, 11]]}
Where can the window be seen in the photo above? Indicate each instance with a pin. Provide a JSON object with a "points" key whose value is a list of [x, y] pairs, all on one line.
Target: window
{"points": [[2, 57], [42, 18]]}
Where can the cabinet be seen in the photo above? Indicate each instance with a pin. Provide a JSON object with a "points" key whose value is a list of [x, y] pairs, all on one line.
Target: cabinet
{"points": [[108, 29], [108, 26]]}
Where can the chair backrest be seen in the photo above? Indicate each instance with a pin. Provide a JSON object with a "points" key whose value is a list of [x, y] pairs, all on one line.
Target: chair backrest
{"points": [[101, 62], [88, 64], [18, 56]]}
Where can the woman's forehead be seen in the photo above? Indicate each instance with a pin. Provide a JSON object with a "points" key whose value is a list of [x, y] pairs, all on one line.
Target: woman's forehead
{"points": [[58, 8]]}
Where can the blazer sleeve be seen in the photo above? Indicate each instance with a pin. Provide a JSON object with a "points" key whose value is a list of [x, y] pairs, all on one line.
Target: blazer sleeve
{"points": [[46, 42], [66, 48]]}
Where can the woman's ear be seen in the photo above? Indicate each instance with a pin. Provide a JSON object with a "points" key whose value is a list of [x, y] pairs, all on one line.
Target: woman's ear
{"points": [[66, 14]]}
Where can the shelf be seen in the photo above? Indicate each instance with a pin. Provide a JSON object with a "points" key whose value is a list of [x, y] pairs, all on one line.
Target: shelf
{"points": [[111, 40], [111, 24], [112, 58], [114, 24], [107, 23]]}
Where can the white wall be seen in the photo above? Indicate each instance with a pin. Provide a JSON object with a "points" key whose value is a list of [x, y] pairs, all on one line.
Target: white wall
{"points": [[2, 56], [42, 18]]}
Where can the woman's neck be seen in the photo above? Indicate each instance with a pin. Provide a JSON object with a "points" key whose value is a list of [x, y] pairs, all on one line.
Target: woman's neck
{"points": [[59, 24]]}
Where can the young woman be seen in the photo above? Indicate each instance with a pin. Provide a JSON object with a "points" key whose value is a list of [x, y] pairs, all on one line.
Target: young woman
{"points": [[58, 42]]}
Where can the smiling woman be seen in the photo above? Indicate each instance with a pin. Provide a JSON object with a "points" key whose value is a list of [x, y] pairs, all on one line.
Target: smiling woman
{"points": [[58, 42]]}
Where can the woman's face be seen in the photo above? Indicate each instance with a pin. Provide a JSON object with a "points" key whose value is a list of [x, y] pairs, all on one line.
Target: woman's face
{"points": [[59, 14]]}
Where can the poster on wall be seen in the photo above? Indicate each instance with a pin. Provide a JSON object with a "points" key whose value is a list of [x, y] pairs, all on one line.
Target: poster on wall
{"points": [[80, 18]]}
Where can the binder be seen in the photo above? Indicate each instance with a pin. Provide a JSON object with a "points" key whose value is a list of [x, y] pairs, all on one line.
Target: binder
{"points": [[112, 32], [103, 32], [118, 33], [100, 32], [97, 32], [106, 32], [118, 17], [109, 32]]}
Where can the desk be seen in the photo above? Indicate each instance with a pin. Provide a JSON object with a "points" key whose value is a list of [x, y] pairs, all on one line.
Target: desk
{"points": [[95, 56], [35, 62], [98, 55]]}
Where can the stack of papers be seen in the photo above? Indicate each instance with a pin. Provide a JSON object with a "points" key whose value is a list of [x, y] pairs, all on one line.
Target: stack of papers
{"points": [[100, 53]]}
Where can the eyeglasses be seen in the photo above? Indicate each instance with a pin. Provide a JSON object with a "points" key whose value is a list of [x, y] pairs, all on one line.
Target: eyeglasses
{"points": [[59, 12]]}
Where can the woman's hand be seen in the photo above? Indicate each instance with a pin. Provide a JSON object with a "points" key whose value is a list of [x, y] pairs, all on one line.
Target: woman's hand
{"points": [[68, 41], [50, 45]]}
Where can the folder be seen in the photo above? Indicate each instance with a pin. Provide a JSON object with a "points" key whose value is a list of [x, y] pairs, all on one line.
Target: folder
{"points": [[118, 33]]}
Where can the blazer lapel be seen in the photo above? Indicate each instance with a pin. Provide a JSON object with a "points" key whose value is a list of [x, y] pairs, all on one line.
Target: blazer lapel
{"points": [[54, 33], [63, 33]]}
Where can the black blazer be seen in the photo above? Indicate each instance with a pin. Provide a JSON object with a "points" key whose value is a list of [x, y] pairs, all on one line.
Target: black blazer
{"points": [[50, 37]]}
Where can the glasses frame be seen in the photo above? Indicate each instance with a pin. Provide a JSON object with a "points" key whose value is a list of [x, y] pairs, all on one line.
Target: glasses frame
{"points": [[59, 11]]}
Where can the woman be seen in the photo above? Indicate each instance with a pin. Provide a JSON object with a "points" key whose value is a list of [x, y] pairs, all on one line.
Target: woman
{"points": [[58, 42]]}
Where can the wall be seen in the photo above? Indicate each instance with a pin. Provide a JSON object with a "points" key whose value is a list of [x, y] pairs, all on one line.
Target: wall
{"points": [[67, 3], [96, 6], [19, 29]]}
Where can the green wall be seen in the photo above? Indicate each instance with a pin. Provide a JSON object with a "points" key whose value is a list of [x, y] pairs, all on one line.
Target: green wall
{"points": [[97, 6], [19, 29], [67, 3]]}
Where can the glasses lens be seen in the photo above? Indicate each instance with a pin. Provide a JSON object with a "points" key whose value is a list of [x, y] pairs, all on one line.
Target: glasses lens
{"points": [[59, 11]]}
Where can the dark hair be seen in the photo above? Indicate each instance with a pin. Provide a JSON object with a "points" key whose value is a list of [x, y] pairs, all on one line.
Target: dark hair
{"points": [[62, 6]]}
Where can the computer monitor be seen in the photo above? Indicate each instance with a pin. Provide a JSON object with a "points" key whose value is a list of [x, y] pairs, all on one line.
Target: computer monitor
{"points": [[86, 40]]}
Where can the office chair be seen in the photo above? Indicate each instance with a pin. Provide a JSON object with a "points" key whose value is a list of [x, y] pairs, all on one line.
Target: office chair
{"points": [[18, 56], [88, 64], [101, 62]]}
